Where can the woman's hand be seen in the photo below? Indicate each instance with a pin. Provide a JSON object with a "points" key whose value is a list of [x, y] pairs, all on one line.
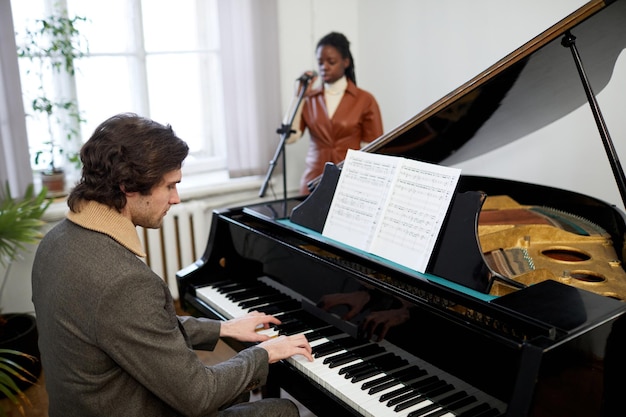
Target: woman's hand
{"points": [[309, 77]]}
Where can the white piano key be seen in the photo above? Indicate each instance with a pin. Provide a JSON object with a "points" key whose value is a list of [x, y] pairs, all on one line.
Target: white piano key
{"points": [[369, 405], [347, 391], [218, 300], [269, 332]]}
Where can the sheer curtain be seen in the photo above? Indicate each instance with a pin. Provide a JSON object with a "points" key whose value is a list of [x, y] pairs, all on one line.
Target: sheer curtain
{"points": [[249, 35], [14, 159], [250, 64]]}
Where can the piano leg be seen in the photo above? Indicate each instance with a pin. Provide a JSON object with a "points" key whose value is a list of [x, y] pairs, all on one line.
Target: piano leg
{"points": [[615, 371], [272, 387]]}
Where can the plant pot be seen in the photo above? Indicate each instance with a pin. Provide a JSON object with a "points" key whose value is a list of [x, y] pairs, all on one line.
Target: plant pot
{"points": [[18, 331], [53, 181]]}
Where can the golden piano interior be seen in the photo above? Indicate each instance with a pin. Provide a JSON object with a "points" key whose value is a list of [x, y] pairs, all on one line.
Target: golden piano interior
{"points": [[530, 244]]}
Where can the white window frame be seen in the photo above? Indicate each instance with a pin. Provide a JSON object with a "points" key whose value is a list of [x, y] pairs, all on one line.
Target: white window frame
{"points": [[211, 156]]}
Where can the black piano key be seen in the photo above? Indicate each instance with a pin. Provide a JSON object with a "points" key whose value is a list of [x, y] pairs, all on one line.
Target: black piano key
{"points": [[256, 300], [292, 327], [327, 350], [381, 387], [362, 352], [460, 401], [237, 286], [354, 368], [328, 331], [457, 400], [380, 381], [249, 294], [449, 403], [410, 371], [269, 299], [299, 327], [411, 403], [416, 386], [401, 377], [422, 383], [218, 284], [295, 320], [279, 307], [313, 336], [361, 366], [452, 402], [437, 413], [440, 391], [341, 359], [296, 329], [394, 381], [378, 365], [432, 396], [425, 410], [366, 374], [325, 347], [302, 317], [413, 394], [224, 283], [336, 345], [307, 318]]}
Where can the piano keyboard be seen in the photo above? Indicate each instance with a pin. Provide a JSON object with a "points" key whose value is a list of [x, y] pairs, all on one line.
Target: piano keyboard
{"points": [[375, 379]]}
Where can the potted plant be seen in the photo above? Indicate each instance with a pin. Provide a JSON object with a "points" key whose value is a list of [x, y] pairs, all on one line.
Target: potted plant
{"points": [[51, 48], [20, 222]]}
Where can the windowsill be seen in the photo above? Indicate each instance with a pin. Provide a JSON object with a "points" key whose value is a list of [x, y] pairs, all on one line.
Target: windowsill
{"points": [[196, 186]]}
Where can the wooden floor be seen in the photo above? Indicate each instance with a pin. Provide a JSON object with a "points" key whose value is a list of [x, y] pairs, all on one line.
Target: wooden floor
{"points": [[37, 397]]}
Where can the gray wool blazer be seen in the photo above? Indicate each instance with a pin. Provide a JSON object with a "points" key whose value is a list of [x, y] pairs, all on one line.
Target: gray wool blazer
{"points": [[111, 342]]}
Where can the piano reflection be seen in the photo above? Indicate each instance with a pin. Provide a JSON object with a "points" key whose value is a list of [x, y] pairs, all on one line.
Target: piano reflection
{"points": [[520, 311]]}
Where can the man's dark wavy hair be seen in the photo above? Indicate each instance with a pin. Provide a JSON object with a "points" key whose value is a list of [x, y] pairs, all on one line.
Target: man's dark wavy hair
{"points": [[126, 153]]}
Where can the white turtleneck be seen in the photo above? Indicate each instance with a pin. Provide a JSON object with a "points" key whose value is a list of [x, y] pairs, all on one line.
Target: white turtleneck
{"points": [[333, 94]]}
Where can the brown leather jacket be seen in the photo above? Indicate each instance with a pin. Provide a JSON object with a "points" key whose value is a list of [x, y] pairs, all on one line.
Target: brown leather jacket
{"points": [[357, 119]]}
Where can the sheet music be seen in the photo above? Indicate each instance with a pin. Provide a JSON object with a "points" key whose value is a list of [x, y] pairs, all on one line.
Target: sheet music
{"points": [[390, 206]]}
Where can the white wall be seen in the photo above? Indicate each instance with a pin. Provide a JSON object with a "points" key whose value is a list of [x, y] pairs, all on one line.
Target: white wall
{"points": [[301, 24], [410, 53]]}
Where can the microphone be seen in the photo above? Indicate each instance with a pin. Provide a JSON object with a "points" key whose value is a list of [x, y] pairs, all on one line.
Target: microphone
{"points": [[307, 77]]}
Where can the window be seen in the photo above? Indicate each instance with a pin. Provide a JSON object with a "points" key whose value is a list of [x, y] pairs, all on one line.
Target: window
{"points": [[151, 57]]}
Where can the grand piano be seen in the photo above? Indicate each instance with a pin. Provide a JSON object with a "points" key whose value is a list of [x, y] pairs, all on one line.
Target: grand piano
{"points": [[520, 311]]}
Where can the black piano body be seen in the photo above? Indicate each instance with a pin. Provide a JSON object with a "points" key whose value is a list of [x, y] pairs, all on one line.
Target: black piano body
{"points": [[547, 349]]}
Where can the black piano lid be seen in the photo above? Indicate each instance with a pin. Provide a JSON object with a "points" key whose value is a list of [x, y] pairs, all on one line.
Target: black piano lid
{"points": [[530, 88]]}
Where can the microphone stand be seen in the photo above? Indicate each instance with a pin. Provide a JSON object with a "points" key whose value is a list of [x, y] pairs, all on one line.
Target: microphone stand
{"points": [[285, 131]]}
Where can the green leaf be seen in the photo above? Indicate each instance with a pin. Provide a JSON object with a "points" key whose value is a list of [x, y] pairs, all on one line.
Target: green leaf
{"points": [[20, 221]]}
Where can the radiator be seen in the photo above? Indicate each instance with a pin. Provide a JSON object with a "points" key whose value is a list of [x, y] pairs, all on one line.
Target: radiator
{"points": [[179, 242]]}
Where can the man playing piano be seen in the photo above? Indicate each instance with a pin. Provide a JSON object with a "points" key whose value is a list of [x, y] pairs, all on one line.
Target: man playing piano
{"points": [[111, 343]]}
